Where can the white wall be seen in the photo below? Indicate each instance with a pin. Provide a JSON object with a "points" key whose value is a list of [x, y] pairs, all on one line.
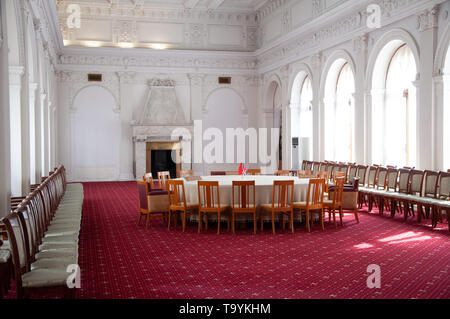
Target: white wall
{"points": [[96, 135], [223, 110]]}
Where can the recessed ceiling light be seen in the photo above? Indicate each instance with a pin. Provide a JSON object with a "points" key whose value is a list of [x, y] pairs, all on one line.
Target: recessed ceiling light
{"points": [[126, 45], [158, 46], [94, 44]]}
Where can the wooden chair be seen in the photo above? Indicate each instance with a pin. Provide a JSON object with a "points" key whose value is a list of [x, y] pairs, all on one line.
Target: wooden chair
{"points": [[245, 203], [429, 187], [187, 173], [145, 207], [209, 203], [163, 177], [29, 280], [415, 189], [279, 172], [443, 194], [254, 172], [177, 202], [335, 201], [313, 202], [282, 203]]}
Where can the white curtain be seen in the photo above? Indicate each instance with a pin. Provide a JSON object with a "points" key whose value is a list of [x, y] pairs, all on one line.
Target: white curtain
{"points": [[400, 110], [344, 115]]}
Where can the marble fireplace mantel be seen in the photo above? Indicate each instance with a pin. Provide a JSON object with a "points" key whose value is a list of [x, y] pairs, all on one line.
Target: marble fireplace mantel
{"points": [[142, 134]]}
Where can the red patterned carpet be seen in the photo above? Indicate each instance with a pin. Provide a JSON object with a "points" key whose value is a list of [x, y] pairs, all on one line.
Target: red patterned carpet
{"points": [[121, 260]]}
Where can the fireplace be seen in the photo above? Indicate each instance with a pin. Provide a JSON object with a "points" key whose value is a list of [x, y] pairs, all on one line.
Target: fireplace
{"points": [[159, 158]]}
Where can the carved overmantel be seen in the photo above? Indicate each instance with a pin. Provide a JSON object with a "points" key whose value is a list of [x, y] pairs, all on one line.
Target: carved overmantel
{"points": [[161, 119]]}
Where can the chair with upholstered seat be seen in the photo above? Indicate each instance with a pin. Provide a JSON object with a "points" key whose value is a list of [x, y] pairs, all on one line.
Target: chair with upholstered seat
{"points": [[243, 201], [209, 203], [152, 204], [335, 201], [177, 202], [313, 202], [29, 280], [282, 203]]}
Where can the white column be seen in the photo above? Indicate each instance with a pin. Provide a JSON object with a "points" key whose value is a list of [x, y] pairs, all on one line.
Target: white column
{"points": [[360, 48], [367, 128], [44, 115], [15, 123], [5, 169], [317, 107], [34, 134], [25, 109], [425, 112], [438, 102]]}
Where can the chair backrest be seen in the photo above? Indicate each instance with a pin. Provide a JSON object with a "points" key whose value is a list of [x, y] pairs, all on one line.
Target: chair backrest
{"points": [[429, 183], [243, 194], [30, 232], [163, 178], [308, 166], [352, 172], [177, 194], [391, 179], [443, 187], [326, 176], [315, 167], [362, 173], [143, 196], [208, 195], [16, 236], [415, 182], [338, 190], [218, 173], [187, 173], [254, 171], [279, 172], [323, 166], [371, 178], [148, 178], [403, 180], [283, 195], [381, 178], [316, 188]]}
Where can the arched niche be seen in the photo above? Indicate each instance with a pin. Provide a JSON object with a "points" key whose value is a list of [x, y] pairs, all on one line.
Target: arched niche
{"points": [[224, 109], [96, 136]]}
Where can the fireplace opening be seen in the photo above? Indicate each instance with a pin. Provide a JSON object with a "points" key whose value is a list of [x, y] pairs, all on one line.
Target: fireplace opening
{"points": [[161, 160]]}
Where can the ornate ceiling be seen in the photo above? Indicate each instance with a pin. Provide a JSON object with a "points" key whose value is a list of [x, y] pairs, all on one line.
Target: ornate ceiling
{"points": [[225, 25]]}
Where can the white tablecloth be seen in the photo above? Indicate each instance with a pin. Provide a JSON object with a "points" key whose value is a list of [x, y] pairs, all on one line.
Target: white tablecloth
{"points": [[263, 189]]}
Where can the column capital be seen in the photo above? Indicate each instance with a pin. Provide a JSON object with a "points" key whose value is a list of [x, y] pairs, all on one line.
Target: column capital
{"points": [[428, 19]]}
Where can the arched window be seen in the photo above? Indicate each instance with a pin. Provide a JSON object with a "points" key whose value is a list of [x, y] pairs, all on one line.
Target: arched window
{"points": [[394, 107], [306, 120], [339, 112]]}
